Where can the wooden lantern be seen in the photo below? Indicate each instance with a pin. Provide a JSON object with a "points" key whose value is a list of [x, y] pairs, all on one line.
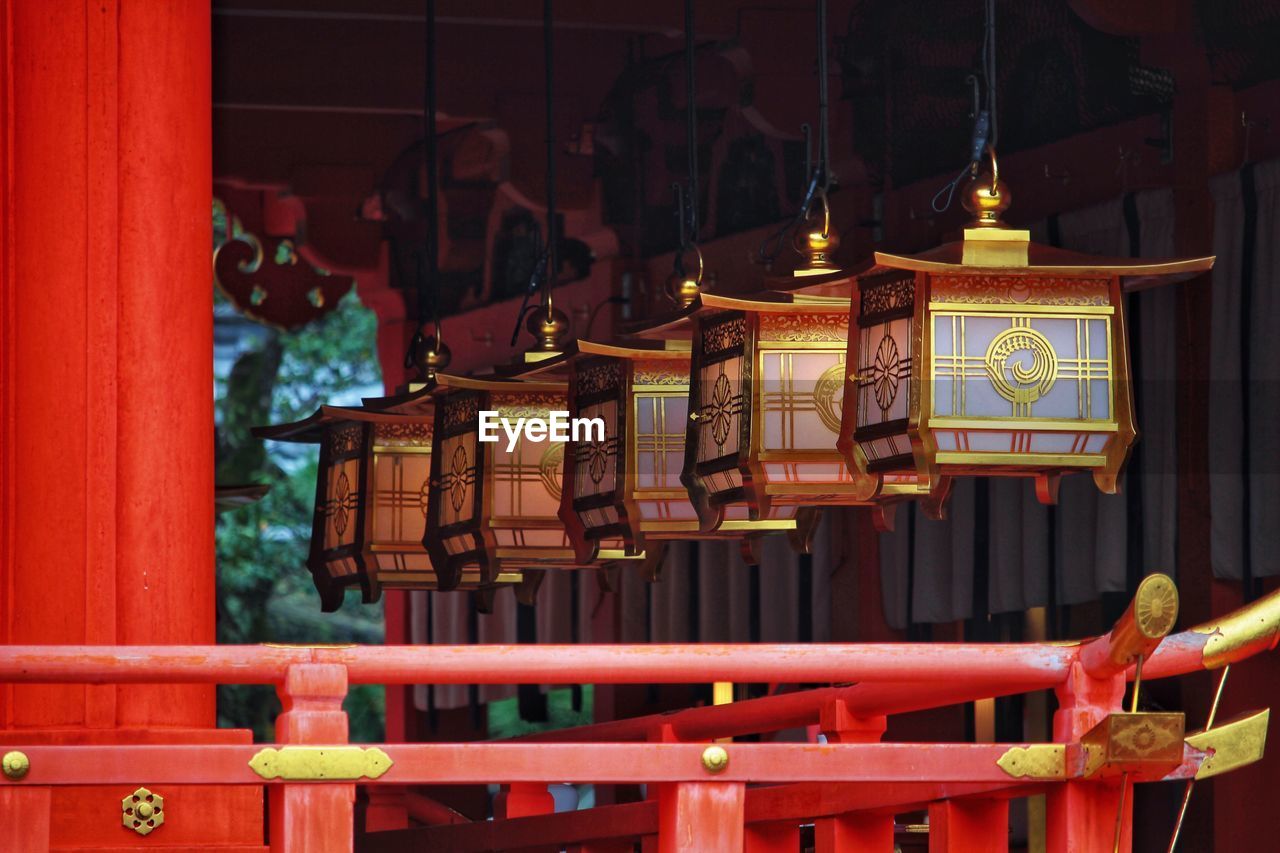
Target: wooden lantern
{"points": [[628, 485], [993, 355], [494, 508], [371, 503], [766, 393]]}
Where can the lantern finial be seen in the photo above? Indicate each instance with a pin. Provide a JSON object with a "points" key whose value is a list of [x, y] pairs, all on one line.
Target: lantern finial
{"points": [[682, 287], [548, 329], [987, 197], [817, 244], [431, 355]]}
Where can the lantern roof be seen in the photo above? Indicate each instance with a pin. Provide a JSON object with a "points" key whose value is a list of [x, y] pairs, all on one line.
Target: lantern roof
{"points": [[786, 302], [500, 384], [310, 430], [662, 350], [417, 399], [830, 294], [1010, 251]]}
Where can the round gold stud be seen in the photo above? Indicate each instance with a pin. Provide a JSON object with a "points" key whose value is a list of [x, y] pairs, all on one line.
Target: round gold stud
{"points": [[15, 764], [715, 759]]}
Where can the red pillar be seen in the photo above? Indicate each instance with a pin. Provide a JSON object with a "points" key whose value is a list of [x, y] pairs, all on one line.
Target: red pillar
{"points": [[870, 831], [1081, 815], [706, 817], [969, 826], [106, 442]]}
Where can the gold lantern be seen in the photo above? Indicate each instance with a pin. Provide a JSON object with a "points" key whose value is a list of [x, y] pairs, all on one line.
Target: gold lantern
{"points": [[993, 355], [494, 506], [627, 485], [370, 508], [766, 395]]}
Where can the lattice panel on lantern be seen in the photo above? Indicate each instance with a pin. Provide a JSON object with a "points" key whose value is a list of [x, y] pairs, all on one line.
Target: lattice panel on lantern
{"points": [[454, 535], [1015, 366], [596, 469], [721, 391], [598, 466], [885, 369], [659, 422], [401, 486], [1049, 377], [526, 484], [340, 515]]}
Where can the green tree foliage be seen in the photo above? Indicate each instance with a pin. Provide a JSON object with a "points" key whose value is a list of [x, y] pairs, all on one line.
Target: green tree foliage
{"points": [[265, 592]]}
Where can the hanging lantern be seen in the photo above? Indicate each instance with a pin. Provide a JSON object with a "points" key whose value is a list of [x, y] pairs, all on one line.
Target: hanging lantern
{"points": [[494, 505], [994, 355], [370, 508], [627, 485], [766, 396]]}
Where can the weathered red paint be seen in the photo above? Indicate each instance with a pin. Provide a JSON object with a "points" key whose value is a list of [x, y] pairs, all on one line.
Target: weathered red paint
{"points": [[509, 763], [848, 786], [1082, 816], [839, 723], [1008, 666], [700, 817]]}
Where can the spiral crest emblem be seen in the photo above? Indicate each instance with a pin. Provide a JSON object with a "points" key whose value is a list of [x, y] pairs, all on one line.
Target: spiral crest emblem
{"points": [[1022, 365]]}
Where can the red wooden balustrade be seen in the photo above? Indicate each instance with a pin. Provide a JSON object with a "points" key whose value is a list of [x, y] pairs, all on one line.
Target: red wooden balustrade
{"points": [[850, 787]]}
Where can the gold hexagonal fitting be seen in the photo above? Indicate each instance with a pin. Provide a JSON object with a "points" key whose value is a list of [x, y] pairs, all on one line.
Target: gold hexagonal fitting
{"points": [[715, 759], [142, 811]]}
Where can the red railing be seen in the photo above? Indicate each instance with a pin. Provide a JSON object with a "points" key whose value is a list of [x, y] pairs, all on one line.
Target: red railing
{"points": [[851, 786]]}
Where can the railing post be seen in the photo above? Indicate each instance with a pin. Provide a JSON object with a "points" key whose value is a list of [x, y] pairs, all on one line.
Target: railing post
{"points": [[523, 799], [701, 817], [969, 826], [311, 817], [852, 830], [24, 818], [1081, 816]]}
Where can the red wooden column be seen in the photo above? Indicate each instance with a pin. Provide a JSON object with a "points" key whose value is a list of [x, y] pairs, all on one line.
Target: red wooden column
{"points": [[969, 826], [701, 817], [308, 817], [1081, 816], [106, 422], [869, 831]]}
